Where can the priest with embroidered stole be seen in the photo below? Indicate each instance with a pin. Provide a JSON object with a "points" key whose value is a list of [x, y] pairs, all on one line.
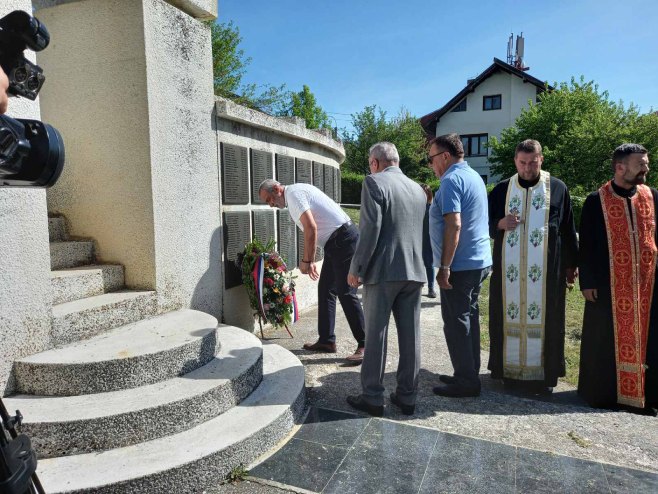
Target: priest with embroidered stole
{"points": [[535, 256], [619, 346]]}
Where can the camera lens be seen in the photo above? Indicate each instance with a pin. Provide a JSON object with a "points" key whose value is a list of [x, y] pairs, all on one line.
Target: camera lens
{"points": [[33, 83], [20, 74]]}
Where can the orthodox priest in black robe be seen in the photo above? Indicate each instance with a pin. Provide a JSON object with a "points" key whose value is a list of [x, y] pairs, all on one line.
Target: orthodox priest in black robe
{"points": [[526, 336], [619, 346]]}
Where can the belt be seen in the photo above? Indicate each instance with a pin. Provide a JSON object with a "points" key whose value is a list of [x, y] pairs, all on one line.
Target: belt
{"points": [[342, 227]]}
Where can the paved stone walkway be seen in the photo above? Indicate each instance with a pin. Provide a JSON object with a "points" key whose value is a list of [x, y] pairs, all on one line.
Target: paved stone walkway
{"points": [[560, 424]]}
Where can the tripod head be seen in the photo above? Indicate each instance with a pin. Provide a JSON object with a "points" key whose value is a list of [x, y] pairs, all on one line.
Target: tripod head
{"points": [[18, 461]]}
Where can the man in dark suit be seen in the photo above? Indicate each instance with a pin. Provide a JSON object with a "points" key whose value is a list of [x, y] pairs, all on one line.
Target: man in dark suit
{"points": [[388, 261]]}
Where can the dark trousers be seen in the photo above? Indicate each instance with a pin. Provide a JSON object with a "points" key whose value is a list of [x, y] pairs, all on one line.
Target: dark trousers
{"points": [[461, 324], [429, 269], [338, 253]]}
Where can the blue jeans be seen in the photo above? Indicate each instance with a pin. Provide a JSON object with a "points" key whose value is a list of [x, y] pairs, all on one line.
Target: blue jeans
{"points": [[429, 269], [461, 324]]}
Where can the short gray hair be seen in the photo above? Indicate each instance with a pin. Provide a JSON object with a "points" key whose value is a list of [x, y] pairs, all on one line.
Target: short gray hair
{"points": [[384, 151], [268, 185]]}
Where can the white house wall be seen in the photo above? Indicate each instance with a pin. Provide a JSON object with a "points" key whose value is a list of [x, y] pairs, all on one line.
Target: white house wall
{"points": [[514, 96]]}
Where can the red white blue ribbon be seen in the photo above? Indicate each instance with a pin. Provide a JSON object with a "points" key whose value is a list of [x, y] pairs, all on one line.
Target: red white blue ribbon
{"points": [[258, 275]]}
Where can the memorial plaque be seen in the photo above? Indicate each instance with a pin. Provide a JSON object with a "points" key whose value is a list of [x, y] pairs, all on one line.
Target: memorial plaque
{"points": [[329, 181], [339, 186], [318, 175], [287, 239], [319, 253], [235, 181], [285, 169], [304, 171], [261, 168], [300, 246], [237, 233], [264, 225]]}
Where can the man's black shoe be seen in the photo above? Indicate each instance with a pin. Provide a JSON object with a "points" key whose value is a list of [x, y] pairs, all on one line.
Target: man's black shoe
{"points": [[444, 378], [406, 409], [453, 391], [359, 403]]}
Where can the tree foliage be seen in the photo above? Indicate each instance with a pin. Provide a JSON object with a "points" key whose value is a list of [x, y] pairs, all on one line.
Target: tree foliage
{"points": [[230, 64], [403, 130], [304, 104], [578, 127]]}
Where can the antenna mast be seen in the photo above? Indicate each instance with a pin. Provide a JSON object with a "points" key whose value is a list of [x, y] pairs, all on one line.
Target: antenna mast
{"points": [[515, 56]]}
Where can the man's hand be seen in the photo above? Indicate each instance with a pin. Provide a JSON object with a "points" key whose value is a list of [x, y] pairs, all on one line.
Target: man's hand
{"points": [[442, 279], [509, 222], [572, 274], [590, 294], [353, 280], [310, 269], [4, 97]]}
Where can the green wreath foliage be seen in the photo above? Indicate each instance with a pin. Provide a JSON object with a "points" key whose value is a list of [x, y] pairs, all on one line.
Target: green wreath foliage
{"points": [[278, 284]]}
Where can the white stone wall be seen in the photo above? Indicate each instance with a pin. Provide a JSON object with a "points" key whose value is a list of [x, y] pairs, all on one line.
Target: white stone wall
{"points": [[183, 158], [241, 126], [25, 295], [515, 95], [134, 79]]}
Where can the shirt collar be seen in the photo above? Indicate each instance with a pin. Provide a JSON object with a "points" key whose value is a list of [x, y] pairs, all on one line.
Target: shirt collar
{"points": [[454, 166]]}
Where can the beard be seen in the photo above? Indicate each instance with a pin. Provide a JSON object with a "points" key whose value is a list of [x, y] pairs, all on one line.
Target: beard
{"points": [[638, 179]]}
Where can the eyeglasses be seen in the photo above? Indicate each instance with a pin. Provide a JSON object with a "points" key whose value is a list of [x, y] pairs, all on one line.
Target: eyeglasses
{"points": [[430, 157]]}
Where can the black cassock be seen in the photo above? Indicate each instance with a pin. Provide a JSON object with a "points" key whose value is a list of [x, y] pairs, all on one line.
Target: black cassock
{"points": [[597, 383], [562, 254]]}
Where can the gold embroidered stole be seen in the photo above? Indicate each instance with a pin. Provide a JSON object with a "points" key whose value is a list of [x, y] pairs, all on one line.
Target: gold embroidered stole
{"points": [[524, 265], [632, 250]]}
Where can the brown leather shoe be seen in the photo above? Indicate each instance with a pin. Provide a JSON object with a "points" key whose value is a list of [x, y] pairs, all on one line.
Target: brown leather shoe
{"points": [[320, 347], [357, 356]]}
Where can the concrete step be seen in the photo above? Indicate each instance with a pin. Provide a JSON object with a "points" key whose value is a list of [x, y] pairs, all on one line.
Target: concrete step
{"points": [[85, 318], [200, 457], [145, 352], [76, 283], [69, 254], [57, 229], [70, 425]]}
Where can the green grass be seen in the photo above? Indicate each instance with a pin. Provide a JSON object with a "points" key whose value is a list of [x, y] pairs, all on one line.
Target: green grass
{"points": [[575, 306], [353, 214]]}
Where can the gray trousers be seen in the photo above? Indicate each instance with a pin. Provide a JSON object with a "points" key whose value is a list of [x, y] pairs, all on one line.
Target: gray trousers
{"points": [[379, 300]]}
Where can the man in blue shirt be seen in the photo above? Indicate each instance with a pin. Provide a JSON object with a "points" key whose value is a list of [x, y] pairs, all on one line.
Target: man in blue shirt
{"points": [[459, 232]]}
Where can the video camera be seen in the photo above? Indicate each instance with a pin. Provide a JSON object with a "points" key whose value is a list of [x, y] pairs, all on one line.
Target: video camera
{"points": [[31, 152]]}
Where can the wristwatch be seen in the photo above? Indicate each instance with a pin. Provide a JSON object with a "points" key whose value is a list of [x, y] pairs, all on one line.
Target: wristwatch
{"points": [[444, 268]]}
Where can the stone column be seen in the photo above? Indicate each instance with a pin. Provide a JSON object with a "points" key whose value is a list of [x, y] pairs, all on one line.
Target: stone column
{"points": [[130, 89], [25, 294]]}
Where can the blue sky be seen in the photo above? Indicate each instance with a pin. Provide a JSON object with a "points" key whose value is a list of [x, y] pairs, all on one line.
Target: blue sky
{"points": [[419, 54]]}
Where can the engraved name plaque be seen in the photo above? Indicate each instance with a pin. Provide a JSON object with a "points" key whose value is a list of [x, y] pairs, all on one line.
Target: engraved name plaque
{"points": [[318, 175], [319, 253], [261, 168], [285, 169], [329, 181], [300, 246], [237, 232], [339, 184], [264, 226], [304, 171], [287, 239], [235, 184]]}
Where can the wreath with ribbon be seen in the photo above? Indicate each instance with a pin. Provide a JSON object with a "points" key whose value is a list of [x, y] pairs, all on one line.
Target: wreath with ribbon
{"points": [[270, 286]]}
